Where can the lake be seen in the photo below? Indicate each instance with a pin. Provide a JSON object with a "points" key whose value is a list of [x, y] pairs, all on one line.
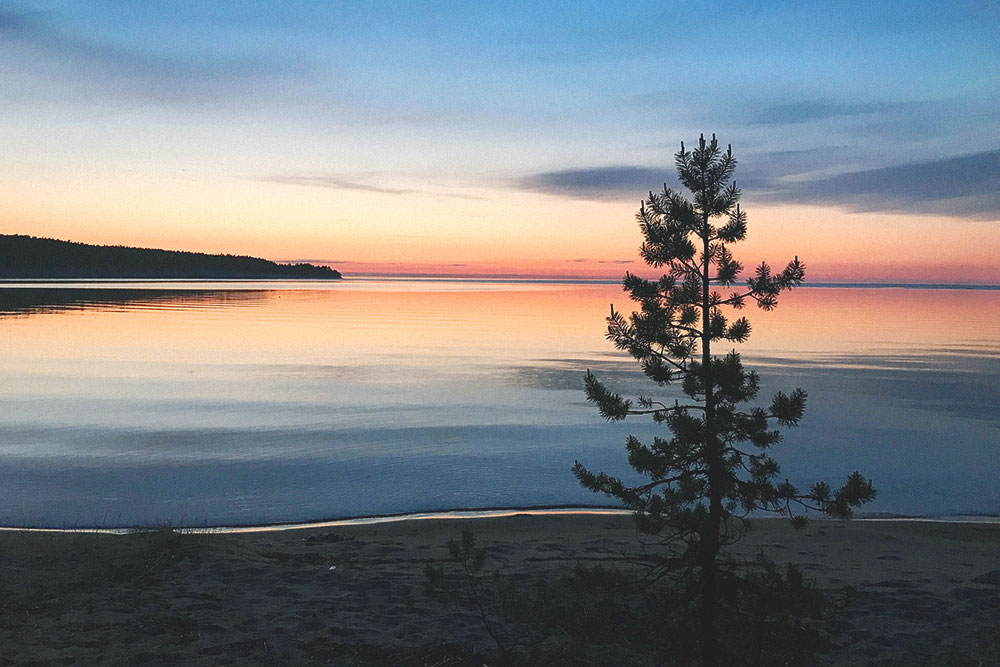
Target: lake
{"points": [[226, 403]]}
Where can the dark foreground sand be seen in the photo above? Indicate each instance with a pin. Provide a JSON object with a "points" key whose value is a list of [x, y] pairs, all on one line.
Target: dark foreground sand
{"points": [[927, 593]]}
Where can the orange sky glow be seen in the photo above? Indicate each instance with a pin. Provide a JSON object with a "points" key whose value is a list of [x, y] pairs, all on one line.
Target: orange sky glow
{"points": [[482, 232]]}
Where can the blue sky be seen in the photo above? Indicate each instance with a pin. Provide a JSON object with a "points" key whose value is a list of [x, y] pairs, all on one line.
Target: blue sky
{"points": [[822, 101]]}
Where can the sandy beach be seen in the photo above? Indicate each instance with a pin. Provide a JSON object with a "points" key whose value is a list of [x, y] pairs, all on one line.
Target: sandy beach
{"points": [[922, 592]]}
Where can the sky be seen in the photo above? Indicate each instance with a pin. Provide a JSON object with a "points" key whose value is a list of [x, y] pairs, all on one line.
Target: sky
{"points": [[505, 138]]}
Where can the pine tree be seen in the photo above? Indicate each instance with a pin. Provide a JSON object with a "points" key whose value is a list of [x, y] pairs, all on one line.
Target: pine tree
{"points": [[715, 469]]}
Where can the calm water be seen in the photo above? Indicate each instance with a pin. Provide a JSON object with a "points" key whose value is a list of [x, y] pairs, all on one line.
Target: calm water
{"points": [[224, 403]]}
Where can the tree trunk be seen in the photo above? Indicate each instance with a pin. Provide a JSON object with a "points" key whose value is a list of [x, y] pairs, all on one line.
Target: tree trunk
{"points": [[710, 538]]}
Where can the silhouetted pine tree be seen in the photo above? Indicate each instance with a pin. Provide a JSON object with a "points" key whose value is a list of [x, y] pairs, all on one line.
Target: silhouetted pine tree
{"points": [[715, 468]]}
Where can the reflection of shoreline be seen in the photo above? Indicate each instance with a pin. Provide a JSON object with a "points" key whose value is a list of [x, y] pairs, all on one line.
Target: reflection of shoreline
{"points": [[27, 301]]}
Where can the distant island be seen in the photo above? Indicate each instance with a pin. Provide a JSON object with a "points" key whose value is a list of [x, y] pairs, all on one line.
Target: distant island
{"points": [[31, 257]]}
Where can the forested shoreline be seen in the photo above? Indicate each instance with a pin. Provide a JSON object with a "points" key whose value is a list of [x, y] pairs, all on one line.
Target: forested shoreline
{"points": [[31, 257]]}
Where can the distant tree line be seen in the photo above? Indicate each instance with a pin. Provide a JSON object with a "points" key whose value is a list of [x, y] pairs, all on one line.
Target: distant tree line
{"points": [[30, 257]]}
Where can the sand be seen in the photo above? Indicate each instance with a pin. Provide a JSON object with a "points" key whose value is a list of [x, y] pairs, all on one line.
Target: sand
{"points": [[925, 593]]}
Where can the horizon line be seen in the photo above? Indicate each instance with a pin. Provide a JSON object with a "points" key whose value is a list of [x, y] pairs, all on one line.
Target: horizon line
{"points": [[597, 280], [477, 277]]}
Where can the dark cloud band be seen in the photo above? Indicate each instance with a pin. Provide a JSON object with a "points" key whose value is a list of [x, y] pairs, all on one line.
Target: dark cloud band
{"points": [[967, 186], [963, 186], [599, 183]]}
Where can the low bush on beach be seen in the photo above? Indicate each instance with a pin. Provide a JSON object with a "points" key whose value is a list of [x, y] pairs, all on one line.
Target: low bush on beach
{"points": [[475, 590], [611, 615]]}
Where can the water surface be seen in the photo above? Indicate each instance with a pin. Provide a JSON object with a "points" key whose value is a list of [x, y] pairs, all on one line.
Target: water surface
{"points": [[255, 402]]}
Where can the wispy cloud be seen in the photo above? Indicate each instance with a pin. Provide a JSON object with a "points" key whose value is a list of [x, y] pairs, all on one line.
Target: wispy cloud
{"points": [[805, 111], [760, 171], [894, 121], [208, 75], [334, 183], [618, 182], [13, 23], [601, 261], [965, 186]]}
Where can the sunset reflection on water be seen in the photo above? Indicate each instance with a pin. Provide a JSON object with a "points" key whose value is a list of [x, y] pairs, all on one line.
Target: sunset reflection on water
{"points": [[255, 402]]}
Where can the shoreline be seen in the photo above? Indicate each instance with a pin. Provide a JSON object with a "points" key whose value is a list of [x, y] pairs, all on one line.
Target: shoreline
{"points": [[471, 513]]}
